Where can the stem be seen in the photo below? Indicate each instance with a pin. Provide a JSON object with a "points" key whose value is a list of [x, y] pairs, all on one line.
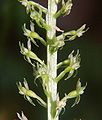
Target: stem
{"points": [[51, 62]]}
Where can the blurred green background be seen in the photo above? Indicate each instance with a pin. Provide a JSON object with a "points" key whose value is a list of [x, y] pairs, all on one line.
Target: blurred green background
{"points": [[14, 68]]}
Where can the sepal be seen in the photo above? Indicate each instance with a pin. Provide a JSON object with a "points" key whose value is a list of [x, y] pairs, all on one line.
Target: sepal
{"points": [[22, 116]]}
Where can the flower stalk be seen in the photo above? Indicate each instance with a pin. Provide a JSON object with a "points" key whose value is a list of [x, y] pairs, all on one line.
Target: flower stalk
{"points": [[51, 61]]}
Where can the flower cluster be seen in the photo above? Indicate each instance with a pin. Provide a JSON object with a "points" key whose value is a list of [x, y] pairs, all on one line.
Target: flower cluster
{"points": [[47, 73]]}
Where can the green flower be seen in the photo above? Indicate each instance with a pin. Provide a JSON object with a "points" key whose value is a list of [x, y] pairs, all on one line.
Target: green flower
{"points": [[55, 44], [32, 35], [73, 94], [42, 73], [28, 94], [76, 93], [76, 33], [29, 55], [72, 64], [31, 5], [73, 34], [65, 10]]}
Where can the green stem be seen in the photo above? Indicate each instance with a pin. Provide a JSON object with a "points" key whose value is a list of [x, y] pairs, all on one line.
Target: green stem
{"points": [[51, 62]]}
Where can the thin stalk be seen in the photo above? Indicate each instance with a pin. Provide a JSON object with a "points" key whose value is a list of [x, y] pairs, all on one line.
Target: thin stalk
{"points": [[51, 62]]}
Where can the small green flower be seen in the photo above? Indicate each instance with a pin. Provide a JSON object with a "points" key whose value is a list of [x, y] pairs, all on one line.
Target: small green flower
{"points": [[72, 64], [76, 33], [73, 34], [38, 18], [42, 73], [76, 93], [65, 10], [55, 44], [29, 54], [31, 34], [66, 7], [73, 94], [31, 5], [28, 94]]}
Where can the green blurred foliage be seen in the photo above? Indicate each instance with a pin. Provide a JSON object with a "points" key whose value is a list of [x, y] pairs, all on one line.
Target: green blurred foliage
{"points": [[14, 68]]}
